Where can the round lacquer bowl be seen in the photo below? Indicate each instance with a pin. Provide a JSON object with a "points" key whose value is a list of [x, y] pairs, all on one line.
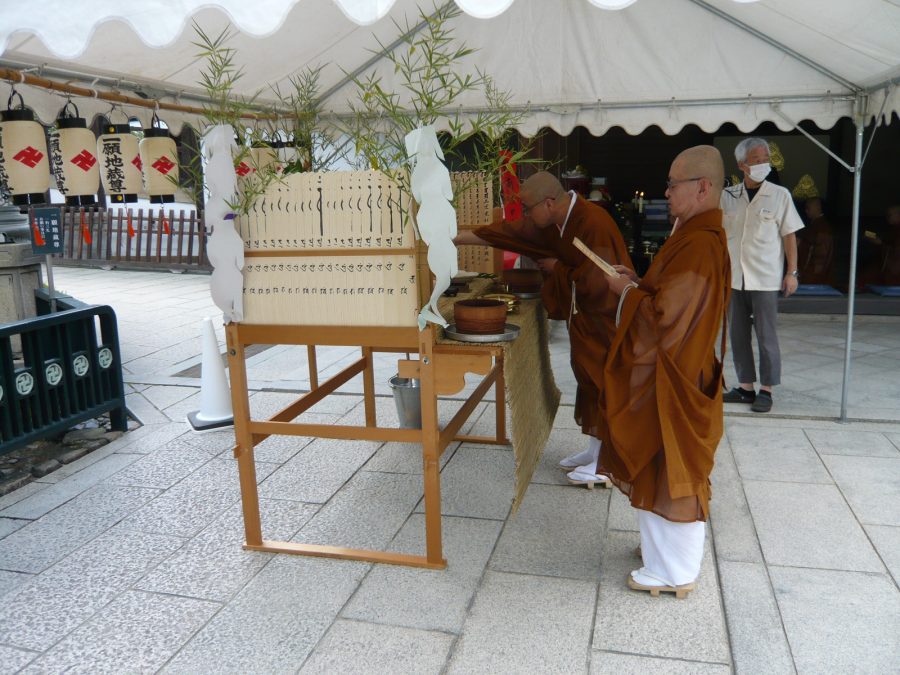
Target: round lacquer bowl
{"points": [[479, 316], [523, 281]]}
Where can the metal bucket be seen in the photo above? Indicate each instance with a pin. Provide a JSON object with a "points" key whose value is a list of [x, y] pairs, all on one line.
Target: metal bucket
{"points": [[406, 398]]}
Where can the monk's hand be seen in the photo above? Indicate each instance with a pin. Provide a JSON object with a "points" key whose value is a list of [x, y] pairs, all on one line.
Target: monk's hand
{"points": [[547, 264], [789, 285], [618, 284], [628, 272]]}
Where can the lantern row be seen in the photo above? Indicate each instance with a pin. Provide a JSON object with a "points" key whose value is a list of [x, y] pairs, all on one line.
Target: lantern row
{"points": [[77, 160]]}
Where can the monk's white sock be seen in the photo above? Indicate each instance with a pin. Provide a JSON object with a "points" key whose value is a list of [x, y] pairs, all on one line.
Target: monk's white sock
{"points": [[585, 457]]}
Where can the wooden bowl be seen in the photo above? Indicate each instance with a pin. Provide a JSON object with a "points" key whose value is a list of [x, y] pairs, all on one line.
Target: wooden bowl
{"points": [[523, 281], [483, 317]]}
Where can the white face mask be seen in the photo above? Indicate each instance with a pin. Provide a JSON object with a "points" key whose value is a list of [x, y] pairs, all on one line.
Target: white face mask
{"points": [[758, 172]]}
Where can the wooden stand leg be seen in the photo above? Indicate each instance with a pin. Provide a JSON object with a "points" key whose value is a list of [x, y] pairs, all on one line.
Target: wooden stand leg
{"points": [[240, 403], [430, 449], [313, 367], [500, 398], [369, 387]]}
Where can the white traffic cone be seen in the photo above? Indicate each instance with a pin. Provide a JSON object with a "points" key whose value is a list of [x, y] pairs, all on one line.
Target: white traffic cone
{"points": [[215, 396]]}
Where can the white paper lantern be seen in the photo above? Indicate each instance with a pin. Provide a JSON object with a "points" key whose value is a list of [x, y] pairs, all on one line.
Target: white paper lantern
{"points": [[23, 155], [258, 158], [73, 159], [120, 163], [263, 157], [287, 154], [159, 160]]}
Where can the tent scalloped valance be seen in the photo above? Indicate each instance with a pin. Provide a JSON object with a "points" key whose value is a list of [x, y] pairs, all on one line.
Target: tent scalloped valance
{"points": [[158, 23]]}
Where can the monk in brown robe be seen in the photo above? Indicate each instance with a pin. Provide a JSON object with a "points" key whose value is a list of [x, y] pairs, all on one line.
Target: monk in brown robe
{"points": [[663, 393], [570, 290], [815, 245]]}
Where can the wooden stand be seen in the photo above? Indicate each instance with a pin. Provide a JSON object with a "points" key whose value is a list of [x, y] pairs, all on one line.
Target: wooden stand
{"points": [[440, 369]]}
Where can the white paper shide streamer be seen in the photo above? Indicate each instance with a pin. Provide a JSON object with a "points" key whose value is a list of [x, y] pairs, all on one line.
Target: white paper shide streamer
{"points": [[435, 218], [225, 247]]}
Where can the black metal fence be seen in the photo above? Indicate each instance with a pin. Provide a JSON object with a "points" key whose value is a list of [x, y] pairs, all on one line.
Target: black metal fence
{"points": [[59, 370]]}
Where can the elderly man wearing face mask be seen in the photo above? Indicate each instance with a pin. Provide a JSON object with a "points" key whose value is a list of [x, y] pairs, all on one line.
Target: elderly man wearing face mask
{"points": [[760, 220]]}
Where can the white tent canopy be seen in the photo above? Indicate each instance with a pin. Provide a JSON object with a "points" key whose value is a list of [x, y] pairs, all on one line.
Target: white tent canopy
{"points": [[570, 62]]}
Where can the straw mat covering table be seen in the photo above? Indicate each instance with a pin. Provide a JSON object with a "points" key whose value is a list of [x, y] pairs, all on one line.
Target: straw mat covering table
{"points": [[530, 387]]}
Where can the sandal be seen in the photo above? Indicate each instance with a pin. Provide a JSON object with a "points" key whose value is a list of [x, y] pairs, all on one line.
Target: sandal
{"points": [[603, 482], [681, 591]]}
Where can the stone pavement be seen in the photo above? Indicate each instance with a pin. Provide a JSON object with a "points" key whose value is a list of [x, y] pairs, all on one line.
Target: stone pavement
{"points": [[130, 559]]}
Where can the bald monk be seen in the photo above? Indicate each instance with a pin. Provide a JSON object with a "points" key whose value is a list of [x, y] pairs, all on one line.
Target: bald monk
{"points": [[663, 393], [553, 218]]}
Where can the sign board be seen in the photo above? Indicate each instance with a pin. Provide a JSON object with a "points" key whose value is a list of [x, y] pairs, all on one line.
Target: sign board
{"points": [[46, 231]]}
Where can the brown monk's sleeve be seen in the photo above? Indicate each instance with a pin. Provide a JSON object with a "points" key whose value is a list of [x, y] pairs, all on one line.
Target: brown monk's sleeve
{"points": [[556, 292], [519, 237]]}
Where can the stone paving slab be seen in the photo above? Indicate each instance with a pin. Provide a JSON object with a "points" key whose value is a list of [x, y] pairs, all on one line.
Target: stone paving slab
{"points": [[557, 532], [396, 457], [871, 486], [189, 506], [730, 519], [561, 443], [476, 483], [775, 453], [428, 599], [887, 542], [59, 493], [758, 642], [215, 442], [151, 436], [273, 624], [852, 442], [370, 649], [26, 490], [87, 460], [807, 525], [58, 601], [141, 408], [634, 622], [163, 397], [280, 449], [162, 469], [318, 471], [611, 663], [11, 580], [178, 412], [366, 513], [13, 660], [137, 632], [43, 542], [10, 525], [839, 622], [213, 565], [526, 624], [622, 516]]}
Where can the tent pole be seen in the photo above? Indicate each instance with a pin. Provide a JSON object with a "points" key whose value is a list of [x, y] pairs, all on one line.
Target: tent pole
{"points": [[854, 231]]}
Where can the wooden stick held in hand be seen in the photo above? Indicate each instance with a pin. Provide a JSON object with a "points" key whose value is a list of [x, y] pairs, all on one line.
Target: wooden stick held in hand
{"points": [[594, 258]]}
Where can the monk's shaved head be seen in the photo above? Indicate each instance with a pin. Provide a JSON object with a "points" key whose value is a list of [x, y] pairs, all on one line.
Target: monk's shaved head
{"points": [[542, 185], [696, 180], [706, 161]]}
